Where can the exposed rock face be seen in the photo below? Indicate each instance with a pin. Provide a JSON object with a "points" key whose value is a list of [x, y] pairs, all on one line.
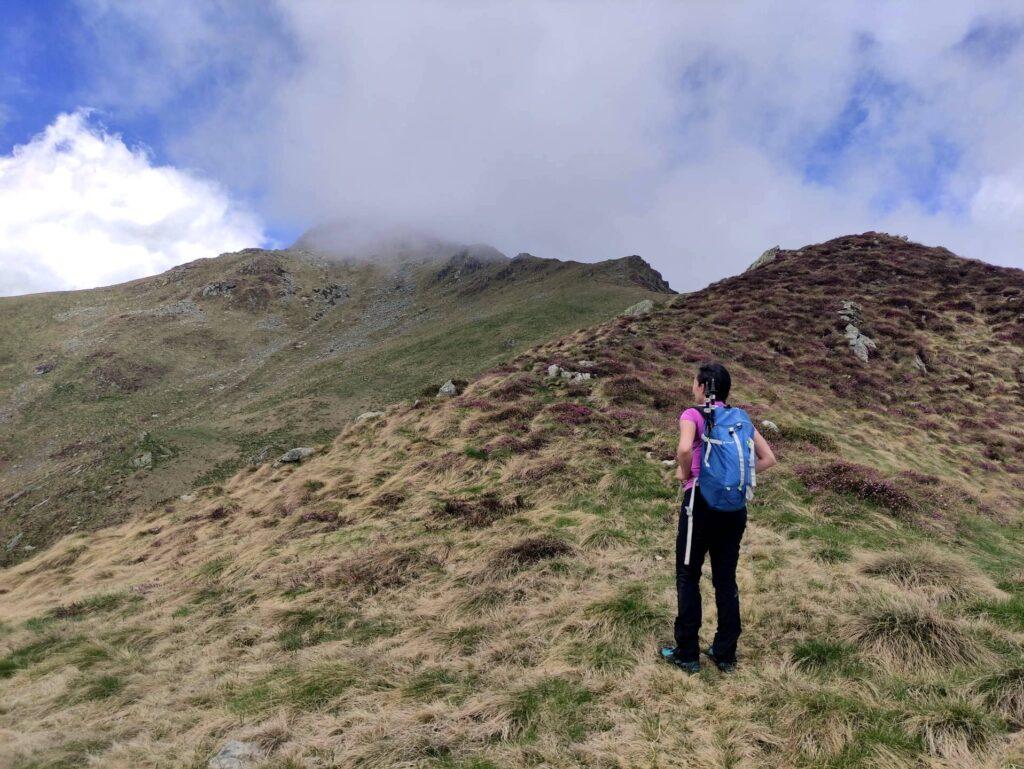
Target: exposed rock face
{"points": [[636, 270], [769, 255], [860, 343], [557, 372], [369, 415], [638, 310], [220, 288]]}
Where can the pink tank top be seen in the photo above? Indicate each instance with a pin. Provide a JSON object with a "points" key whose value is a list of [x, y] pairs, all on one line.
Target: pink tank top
{"points": [[694, 415]]}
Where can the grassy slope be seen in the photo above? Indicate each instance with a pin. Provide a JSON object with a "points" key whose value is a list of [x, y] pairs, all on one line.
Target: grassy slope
{"points": [[205, 388], [481, 582]]}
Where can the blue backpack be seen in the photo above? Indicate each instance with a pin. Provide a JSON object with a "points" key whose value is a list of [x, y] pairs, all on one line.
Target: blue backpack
{"points": [[727, 477]]}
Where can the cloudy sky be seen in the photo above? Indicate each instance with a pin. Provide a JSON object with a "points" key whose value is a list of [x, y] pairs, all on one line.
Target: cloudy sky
{"points": [[138, 135]]}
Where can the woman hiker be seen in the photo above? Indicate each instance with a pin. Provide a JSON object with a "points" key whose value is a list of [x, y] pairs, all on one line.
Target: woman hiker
{"points": [[713, 514]]}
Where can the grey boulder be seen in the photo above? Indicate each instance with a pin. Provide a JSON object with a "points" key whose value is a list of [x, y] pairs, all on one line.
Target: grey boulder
{"points": [[638, 310], [297, 454], [236, 754]]}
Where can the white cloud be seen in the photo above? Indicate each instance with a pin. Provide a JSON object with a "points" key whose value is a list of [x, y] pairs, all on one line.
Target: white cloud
{"points": [[81, 209], [684, 132]]}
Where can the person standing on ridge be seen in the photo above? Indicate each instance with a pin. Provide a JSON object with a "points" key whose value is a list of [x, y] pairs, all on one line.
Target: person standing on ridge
{"points": [[719, 455]]}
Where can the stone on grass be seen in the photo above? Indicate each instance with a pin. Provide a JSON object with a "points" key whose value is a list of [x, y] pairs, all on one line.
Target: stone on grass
{"points": [[297, 454], [236, 754], [369, 415], [638, 310], [143, 460], [859, 343], [447, 390], [769, 427]]}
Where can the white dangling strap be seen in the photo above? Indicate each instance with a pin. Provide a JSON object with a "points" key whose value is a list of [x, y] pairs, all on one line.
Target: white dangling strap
{"points": [[689, 523]]}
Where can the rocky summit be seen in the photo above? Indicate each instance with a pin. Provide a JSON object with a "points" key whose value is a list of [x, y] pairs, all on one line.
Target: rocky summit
{"points": [[482, 579]]}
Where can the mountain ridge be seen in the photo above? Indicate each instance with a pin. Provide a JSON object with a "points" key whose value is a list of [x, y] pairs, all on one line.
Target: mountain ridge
{"points": [[118, 397]]}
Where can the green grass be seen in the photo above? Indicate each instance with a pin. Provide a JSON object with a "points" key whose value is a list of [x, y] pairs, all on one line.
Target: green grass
{"points": [[438, 683], [640, 482], [600, 655], [555, 707], [213, 568], [1008, 613], [307, 689], [306, 627], [97, 604], [101, 687], [826, 656], [34, 653], [631, 615]]}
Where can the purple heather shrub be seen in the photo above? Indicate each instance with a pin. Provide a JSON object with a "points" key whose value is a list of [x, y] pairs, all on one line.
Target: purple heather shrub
{"points": [[476, 403], [572, 413], [863, 482]]}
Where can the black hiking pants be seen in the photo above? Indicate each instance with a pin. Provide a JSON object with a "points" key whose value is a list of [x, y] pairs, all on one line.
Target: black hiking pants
{"points": [[717, 533]]}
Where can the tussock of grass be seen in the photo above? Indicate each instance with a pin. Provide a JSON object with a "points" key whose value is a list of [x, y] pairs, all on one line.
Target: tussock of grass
{"points": [[602, 536], [808, 435], [953, 729], [827, 726], [1003, 692], [389, 500], [630, 615], [475, 512], [382, 569], [527, 552], [904, 634], [826, 656], [539, 470], [939, 574]]}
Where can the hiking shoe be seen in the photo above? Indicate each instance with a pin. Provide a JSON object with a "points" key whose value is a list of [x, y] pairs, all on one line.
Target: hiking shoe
{"points": [[668, 653], [726, 666]]}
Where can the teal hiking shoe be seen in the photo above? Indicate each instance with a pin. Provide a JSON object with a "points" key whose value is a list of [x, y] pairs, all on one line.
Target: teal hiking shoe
{"points": [[668, 653], [724, 665]]}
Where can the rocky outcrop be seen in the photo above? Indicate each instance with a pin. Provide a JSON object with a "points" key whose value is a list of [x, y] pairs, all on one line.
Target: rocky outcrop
{"points": [[557, 372], [640, 309], [219, 288], [769, 255], [296, 455], [861, 344]]}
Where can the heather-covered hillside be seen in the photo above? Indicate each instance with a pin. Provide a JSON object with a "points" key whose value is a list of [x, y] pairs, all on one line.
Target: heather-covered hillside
{"points": [[482, 581]]}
